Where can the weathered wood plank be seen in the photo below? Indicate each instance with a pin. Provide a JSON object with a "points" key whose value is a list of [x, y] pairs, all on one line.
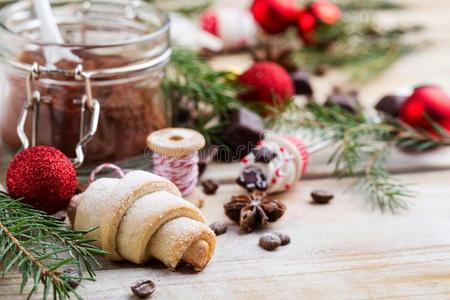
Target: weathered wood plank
{"points": [[342, 250]]}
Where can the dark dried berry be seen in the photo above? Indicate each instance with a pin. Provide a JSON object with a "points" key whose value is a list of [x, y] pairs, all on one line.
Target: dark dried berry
{"points": [[391, 105], [285, 239], [263, 155], [219, 228], [269, 241], [210, 187], [302, 83], [252, 179], [73, 276], [322, 196], [347, 100], [143, 288]]}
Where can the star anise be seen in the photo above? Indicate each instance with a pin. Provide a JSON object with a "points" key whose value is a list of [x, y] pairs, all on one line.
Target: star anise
{"points": [[254, 210]]}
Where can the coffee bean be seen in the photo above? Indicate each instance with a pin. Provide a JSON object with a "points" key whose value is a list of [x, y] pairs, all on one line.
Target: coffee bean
{"points": [[73, 276], [219, 228], [269, 241], [210, 187], [143, 288], [285, 239], [321, 196]]}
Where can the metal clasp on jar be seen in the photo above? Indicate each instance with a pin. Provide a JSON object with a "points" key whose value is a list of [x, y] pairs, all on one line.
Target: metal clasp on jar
{"points": [[33, 102], [35, 71]]}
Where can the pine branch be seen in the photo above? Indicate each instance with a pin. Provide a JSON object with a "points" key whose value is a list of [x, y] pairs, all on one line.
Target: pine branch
{"points": [[207, 95], [363, 145], [39, 246], [381, 187], [353, 5], [357, 44]]}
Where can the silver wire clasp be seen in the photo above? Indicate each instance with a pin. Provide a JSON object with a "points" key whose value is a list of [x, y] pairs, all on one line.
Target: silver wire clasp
{"points": [[33, 101]]}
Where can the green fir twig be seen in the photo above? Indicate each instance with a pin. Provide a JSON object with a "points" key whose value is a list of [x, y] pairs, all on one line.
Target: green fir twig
{"points": [[360, 46], [205, 94], [362, 146], [39, 246]]}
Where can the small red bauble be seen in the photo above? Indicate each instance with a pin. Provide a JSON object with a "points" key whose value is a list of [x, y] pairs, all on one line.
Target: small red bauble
{"points": [[44, 177], [316, 17], [327, 12], [266, 82], [427, 100], [274, 16]]}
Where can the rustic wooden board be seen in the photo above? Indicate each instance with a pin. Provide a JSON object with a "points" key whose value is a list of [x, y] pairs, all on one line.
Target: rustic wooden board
{"points": [[343, 250], [340, 251]]}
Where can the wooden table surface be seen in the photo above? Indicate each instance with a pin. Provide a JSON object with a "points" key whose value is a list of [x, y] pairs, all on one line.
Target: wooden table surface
{"points": [[344, 250]]}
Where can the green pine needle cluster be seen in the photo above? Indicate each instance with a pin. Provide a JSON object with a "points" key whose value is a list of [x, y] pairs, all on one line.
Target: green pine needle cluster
{"points": [[355, 5], [206, 95], [39, 246], [358, 45], [362, 146]]}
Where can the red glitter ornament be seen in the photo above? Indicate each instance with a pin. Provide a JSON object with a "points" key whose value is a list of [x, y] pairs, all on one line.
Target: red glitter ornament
{"points": [[44, 177], [267, 82], [316, 18], [427, 100], [274, 16]]}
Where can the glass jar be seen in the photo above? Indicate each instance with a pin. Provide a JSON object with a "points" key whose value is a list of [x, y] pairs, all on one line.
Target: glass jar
{"points": [[112, 59]]}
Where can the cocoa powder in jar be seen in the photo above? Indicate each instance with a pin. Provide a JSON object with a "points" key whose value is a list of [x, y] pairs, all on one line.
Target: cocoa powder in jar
{"points": [[131, 107]]}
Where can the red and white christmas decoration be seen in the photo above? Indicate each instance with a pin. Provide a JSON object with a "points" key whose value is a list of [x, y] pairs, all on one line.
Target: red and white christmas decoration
{"points": [[236, 27], [287, 166]]}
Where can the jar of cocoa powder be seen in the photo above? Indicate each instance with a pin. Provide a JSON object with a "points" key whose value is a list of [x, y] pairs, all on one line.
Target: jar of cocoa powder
{"points": [[96, 96]]}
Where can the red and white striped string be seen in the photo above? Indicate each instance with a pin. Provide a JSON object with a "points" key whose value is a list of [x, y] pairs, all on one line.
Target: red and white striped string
{"points": [[181, 170], [101, 167]]}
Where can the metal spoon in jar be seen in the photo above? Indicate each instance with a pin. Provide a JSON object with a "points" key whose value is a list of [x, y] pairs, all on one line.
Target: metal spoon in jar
{"points": [[50, 33]]}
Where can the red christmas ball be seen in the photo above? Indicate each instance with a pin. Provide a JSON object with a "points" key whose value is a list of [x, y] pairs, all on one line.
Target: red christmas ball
{"points": [[274, 16], [315, 18], [44, 177], [287, 10], [266, 82], [427, 100]]}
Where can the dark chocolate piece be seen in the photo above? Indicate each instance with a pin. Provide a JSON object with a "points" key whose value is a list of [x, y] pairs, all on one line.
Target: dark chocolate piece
{"points": [[241, 133], [390, 105]]}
